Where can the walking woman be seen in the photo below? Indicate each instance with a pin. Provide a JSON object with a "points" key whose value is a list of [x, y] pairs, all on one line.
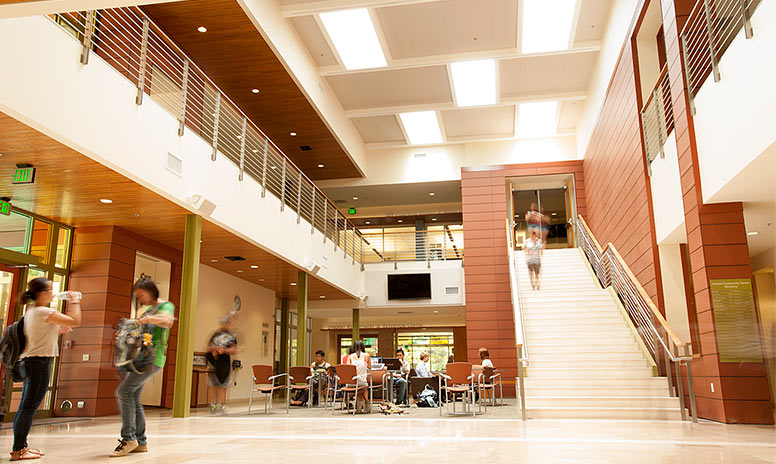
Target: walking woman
{"points": [[42, 326], [361, 359], [160, 315]]}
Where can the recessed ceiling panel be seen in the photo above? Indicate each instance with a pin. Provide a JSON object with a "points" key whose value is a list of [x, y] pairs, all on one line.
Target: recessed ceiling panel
{"points": [[545, 74], [379, 129], [569, 115], [427, 85], [480, 122], [451, 26], [592, 19], [314, 41]]}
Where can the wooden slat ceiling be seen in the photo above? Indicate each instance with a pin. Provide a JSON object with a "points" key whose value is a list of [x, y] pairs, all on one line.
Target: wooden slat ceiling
{"points": [[68, 188], [236, 57]]}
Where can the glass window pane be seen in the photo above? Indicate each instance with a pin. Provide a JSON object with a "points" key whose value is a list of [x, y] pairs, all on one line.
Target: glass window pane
{"points": [[13, 232], [40, 240], [63, 247], [58, 285], [6, 286], [33, 273]]}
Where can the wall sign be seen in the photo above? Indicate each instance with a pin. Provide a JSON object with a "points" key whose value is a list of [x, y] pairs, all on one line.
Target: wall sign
{"points": [[351, 210], [738, 335], [5, 207], [24, 175]]}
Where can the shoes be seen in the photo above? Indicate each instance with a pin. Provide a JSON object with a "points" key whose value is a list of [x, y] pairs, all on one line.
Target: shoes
{"points": [[25, 454], [220, 409], [125, 447], [140, 449]]}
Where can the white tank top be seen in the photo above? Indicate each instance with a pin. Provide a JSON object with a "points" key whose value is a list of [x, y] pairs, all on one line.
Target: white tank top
{"points": [[42, 337], [360, 363]]}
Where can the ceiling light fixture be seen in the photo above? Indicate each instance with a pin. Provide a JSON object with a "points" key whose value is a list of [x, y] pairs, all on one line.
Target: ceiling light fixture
{"points": [[400, 220], [105, 201], [213, 260], [202, 29], [293, 283], [474, 82], [255, 90], [320, 165], [435, 311], [367, 222], [323, 296], [431, 194], [355, 38], [546, 26], [355, 198], [261, 280], [292, 134], [421, 127], [433, 219], [254, 267], [239, 270], [537, 119], [753, 233]]}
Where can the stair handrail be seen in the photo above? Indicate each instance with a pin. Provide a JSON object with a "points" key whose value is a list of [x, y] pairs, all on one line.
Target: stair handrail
{"points": [[520, 339], [612, 271]]}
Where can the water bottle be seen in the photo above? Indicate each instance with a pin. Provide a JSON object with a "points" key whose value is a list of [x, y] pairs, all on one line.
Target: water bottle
{"points": [[66, 296]]}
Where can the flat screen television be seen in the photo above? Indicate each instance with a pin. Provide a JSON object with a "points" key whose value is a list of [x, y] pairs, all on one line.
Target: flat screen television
{"points": [[409, 286]]}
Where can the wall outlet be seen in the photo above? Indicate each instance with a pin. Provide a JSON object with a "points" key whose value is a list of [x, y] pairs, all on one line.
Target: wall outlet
{"points": [[86, 357], [80, 405]]}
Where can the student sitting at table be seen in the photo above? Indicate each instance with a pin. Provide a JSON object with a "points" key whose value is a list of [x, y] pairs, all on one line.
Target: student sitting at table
{"points": [[399, 380], [319, 366], [485, 357], [423, 368]]}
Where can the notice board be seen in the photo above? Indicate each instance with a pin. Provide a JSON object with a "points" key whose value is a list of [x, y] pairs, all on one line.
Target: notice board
{"points": [[738, 334]]}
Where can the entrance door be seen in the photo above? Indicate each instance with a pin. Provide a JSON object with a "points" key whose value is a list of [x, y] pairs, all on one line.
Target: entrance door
{"points": [[552, 203]]}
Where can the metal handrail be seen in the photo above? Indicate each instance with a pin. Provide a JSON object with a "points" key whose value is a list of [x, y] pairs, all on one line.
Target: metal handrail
{"points": [[521, 344], [127, 40], [657, 118], [708, 32], [412, 245], [654, 330]]}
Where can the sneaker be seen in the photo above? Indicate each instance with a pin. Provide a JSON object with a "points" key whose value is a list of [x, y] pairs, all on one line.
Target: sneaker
{"points": [[140, 449], [125, 447]]}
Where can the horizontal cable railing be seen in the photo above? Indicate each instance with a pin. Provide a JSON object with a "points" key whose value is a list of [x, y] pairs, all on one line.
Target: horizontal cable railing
{"points": [[134, 46], [426, 245], [709, 31], [661, 341], [657, 118]]}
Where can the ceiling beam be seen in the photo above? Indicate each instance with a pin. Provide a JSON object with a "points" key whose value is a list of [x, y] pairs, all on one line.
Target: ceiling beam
{"points": [[321, 6], [439, 60], [504, 101], [459, 140]]}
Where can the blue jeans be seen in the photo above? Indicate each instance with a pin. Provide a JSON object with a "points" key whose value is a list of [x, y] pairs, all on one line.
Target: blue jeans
{"points": [[37, 372], [130, 407]]}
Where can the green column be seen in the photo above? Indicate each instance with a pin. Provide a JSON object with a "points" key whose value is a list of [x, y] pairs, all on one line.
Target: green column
{"points": [[185, 350], [301, 319], [356, 324], [285, 344]]}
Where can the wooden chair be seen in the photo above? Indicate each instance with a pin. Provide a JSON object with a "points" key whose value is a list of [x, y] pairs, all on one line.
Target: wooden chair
{"points": [[264, 382], [345, 382], [299, 379], [488, 382], [458, 381]]}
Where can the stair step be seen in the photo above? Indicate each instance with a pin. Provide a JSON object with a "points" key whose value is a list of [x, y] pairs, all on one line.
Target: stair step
{"points": [[604, 413], [583, 340], [561, 391], [601, 401], [581, 323], [622, 384], [576, 356], [590, 372], [613, 363], [598, 317]]}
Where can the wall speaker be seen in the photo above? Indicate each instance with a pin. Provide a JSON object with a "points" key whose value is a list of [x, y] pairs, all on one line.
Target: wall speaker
{"points": [[203, 206]]}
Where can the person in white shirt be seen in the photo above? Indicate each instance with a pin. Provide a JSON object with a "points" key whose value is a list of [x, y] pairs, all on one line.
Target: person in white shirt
{"points": [[423, 368], [533, 251], [485, 357]]}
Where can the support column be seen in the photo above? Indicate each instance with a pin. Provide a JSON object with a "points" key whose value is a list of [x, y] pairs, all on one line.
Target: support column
{"points": [[301, 319], [285, 343], [356, 324], [190, 281]]}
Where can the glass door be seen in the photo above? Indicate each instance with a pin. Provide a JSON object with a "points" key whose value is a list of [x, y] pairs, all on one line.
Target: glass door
{"points": [[553, 208]]}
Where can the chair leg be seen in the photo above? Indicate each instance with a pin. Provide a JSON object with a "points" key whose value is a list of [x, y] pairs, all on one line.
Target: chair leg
{"points": [[250, 400]]}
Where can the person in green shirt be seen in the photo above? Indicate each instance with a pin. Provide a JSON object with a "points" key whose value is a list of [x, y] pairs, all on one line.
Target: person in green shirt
{"points": [[161, 315]]}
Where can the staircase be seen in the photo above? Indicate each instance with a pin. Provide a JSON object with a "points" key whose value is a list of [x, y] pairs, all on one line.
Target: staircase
{"points": [[584, 360]]}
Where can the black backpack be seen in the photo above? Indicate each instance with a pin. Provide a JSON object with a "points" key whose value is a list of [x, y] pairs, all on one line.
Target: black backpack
{"points": [[12, 346]]}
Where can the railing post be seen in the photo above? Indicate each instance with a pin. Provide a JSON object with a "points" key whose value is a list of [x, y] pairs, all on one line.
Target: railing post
{"points": [[353, 248], [444, 244], [361, 254], [660, 117], [299, 198], [184, 97], [714, 65], [336, 227], [216, 121], [645, 138], [325, 219], [345, 240], [283, 186], [87, 40], [264, 169], [690, 388], [680, 388], [312, 217], [143, 60], [520, 382], [242, 147], [667, 357], [690, 95], [747, 24]]}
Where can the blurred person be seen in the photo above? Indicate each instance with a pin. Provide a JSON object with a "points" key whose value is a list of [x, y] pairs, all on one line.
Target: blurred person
{"points": [[351, 350], [363, 362], [158, 317], [222, 345], [534, 248], [545, 223], [42, 327], [485, 357], [319, 366], [533, 219], [423, 368]]}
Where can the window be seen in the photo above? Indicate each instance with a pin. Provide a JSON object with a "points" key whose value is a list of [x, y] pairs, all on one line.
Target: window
{"points": [[14, 230], [370, 343], [438, 345]]}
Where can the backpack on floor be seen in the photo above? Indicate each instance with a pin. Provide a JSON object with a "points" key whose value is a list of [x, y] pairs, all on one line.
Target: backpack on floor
{"points": [[427, 398]]}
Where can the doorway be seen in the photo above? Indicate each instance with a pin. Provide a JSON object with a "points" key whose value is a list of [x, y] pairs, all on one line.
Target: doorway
{"points": [[553, 199]]}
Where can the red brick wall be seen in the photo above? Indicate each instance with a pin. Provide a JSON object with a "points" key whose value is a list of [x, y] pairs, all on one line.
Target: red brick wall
{"points": [[489, 314], [103, 268]]}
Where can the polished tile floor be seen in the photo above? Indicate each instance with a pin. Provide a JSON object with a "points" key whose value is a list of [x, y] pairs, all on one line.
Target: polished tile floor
{"points": [[419, 436]]}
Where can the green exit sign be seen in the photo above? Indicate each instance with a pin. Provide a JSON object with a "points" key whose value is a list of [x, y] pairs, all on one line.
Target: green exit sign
{"points": [[351, 210], [5, 207], [24, 175]]}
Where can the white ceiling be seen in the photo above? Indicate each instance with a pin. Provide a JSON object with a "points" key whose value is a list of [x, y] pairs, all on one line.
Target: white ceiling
{"points": [[420, 39]]}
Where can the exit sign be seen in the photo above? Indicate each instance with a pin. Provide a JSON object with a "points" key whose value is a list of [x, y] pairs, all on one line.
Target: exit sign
{"points": [[5, 207], [351, 210], [24, 175]]}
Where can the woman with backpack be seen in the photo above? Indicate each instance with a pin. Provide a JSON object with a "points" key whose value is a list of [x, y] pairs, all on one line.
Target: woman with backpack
{"points": [[157, 319], [42, 326]]}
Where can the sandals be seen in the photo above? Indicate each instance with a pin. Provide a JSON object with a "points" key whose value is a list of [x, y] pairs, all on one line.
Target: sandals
{"points": [[25, 454]]}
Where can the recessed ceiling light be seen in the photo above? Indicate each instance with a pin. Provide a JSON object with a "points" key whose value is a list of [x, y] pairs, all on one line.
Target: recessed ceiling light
{"points": [[367, 222], [106, 201], [355, 38], [320, 165], [261, 280], [293, 283], [435, 311], [292, 134], [202, 29], [323, 296], [355, 198], [239, 270], [537, 119], [474, 82], [213, 260], [753, 233], [546, 26], [431, 194], [433, 219], [254, 267], [400, 220], [421, 127], [255, 90], [554, 214]]}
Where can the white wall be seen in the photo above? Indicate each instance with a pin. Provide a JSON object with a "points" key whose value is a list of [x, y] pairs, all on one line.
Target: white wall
{"points": [[444, 162], [215, 296], [443, 274], [42, 7], [667, 200], [96, 115], [735, 120], [621, 13], [673, 290]]}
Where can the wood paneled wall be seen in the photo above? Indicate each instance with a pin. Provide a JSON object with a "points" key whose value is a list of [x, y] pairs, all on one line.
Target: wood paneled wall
{"points": [[489, 314], [103, 269]]}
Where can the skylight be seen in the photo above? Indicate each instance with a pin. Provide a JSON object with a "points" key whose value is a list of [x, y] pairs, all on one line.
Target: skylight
{"points": [[421, 127], [537, 119], [355, 38], [546, 26], [474, 82]]}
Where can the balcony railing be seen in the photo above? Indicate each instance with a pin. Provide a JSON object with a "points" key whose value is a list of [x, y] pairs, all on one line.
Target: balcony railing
{"points": [[133, 45], [657, 118], [426, 245], [709, 31]]}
